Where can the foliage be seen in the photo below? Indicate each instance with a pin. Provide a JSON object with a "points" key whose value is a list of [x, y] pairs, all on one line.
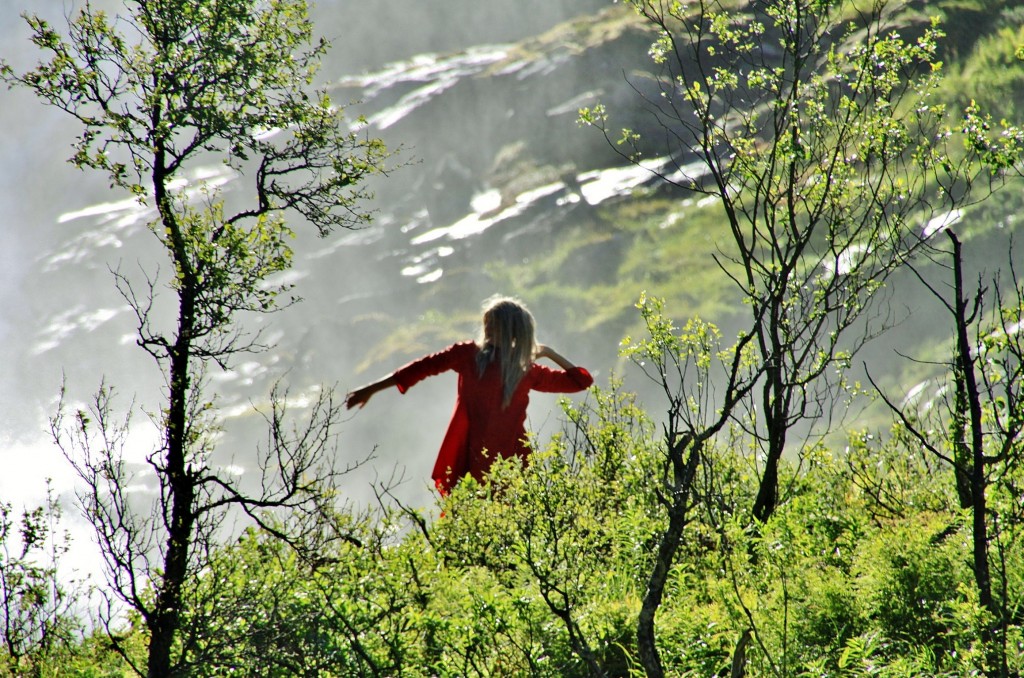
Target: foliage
{"points": [[39, 608], [863, 570], [542, 572], [979, 422], [161, 93]]}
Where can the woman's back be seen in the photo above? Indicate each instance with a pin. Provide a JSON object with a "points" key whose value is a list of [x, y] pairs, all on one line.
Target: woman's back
{"points": [[496, 375]]}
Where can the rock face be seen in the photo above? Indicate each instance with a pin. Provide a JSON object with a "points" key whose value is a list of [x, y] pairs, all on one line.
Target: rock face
{"points": [[498, 158]]}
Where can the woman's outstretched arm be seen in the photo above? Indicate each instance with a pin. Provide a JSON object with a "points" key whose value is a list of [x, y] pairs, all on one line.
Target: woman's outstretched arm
{"points": [[362, 395], [404, 377]]}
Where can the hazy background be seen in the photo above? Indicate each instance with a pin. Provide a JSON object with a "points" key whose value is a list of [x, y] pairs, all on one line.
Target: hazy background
{"points": [[63, 230]]}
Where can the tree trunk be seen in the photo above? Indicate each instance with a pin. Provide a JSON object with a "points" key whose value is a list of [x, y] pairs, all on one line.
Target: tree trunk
{"points": [[965, 363], [979, 508], [739, 656], [669, 544], [180, 483], [963, 458], [775, 422], [182, 494]]}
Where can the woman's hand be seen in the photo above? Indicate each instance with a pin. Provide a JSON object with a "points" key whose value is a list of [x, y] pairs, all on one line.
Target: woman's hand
{"points": [[358, 397], [544, 351], [361, 396]]}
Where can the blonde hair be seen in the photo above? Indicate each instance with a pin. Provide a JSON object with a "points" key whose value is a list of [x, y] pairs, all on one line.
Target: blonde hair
{"points": [[507, 333]]}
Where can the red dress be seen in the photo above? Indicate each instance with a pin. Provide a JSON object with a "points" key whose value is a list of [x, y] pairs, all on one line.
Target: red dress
{"points": [[481, 429]]}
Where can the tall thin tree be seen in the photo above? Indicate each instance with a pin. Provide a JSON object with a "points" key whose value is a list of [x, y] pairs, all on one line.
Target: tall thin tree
{"points": [[157, 90], [978, 427]]}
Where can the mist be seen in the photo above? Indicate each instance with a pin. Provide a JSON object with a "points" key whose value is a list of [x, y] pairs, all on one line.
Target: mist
{"points": [[442, 82]]}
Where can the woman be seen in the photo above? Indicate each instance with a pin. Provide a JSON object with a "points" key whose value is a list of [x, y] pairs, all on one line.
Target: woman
{"points": [[496, 375]]}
